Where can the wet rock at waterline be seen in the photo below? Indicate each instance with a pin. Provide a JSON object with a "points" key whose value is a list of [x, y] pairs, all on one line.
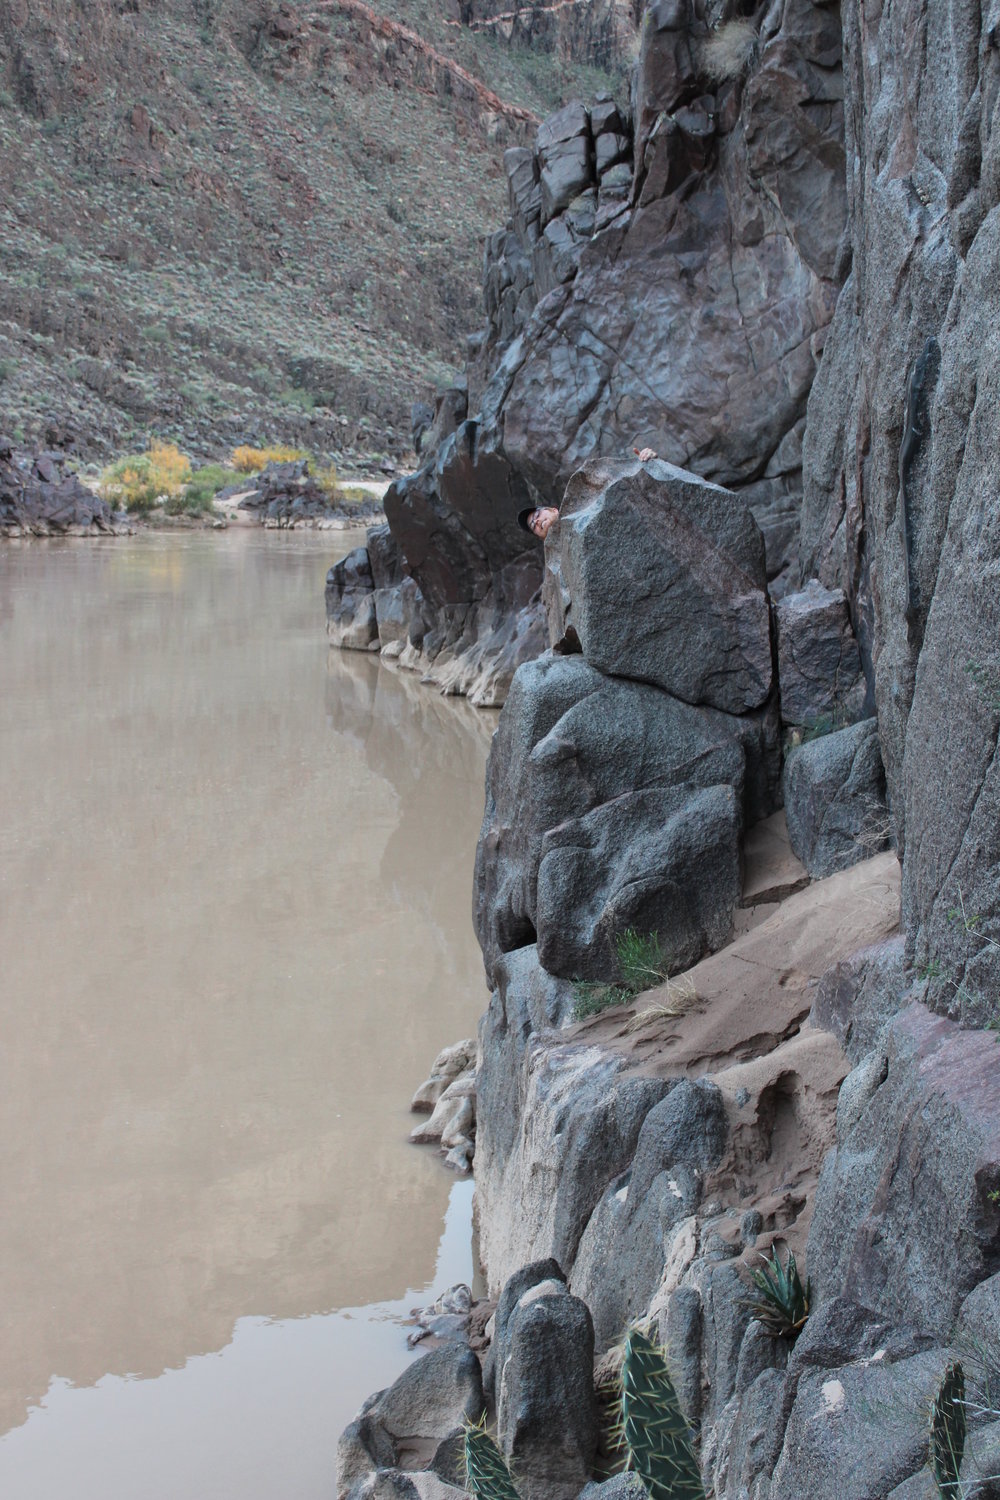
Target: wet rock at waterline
{"points": [[410, 1429], [452, 1124], [445, 1320], [447, 1066], [453, 583], [654, 574], [350, 603], [448, 1097]]}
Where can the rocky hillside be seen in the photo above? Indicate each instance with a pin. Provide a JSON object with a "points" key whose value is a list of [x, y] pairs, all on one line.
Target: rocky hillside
{"points": [[227, 221], [737, 882]]}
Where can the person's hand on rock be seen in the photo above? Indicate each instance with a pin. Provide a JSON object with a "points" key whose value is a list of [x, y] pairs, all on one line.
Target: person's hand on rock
{"points": [[646, 454]]}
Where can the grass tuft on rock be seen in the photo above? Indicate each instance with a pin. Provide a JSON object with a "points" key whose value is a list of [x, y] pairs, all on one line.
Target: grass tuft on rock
{"points": [[641, 966]]}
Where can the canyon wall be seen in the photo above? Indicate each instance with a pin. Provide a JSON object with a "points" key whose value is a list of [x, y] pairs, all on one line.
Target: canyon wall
{"points": [[783, 279]]}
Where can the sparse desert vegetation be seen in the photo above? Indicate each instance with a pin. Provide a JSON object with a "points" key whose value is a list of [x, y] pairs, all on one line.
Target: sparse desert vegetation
{"points": [[216, 229]]}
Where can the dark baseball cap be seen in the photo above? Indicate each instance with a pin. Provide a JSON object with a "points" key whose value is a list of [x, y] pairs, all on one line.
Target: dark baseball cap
{"points": [[523, 517]]}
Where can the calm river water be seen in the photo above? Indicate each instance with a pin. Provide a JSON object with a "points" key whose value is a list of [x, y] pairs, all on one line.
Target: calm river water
{"points": [[234, 929]]}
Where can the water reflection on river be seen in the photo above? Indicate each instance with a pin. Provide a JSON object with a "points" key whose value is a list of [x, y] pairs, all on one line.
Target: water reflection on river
{"points": [[234, 928]]}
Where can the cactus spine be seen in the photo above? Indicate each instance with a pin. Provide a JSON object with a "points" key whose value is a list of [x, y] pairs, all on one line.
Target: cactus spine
{"points": [[656, 1435], [487, 1476], [948, 1432]]}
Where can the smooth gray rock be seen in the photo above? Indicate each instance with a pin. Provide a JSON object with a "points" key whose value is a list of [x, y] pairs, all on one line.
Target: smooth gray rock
{"points": [[819, 665], [858, 997], [403, 1427], [546, 1412], [524, 189], [858, 1431], [622, 1251], [396, 611], [629, 864], [834, 791], [656, 575], [384, 558], [570, 742], [564, 124], [566, 171], [549, 1139], [906, 1193], [609, 149]]}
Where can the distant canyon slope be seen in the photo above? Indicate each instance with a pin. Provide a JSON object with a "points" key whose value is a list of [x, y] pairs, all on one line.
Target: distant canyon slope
{"points": [[236, 219]]}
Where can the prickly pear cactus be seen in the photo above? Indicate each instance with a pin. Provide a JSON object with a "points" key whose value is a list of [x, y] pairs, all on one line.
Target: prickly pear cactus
{"points": [[656, 1435], [948, 1432], [487, 1476]]}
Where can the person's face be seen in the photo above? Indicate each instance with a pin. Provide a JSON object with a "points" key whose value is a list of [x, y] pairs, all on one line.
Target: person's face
{"points": [[541, 521]]}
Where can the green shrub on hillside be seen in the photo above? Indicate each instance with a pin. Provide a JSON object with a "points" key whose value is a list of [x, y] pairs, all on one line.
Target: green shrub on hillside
{"points": [[205, 484]]}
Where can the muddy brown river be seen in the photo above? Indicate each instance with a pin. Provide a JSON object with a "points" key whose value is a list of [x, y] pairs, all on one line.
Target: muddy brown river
{"points": [[235, 879]]}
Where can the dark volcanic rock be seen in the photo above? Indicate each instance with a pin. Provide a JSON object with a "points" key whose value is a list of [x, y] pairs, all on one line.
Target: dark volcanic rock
{"points": [[456, 526], [39, 496], [834, 792], [631, 863], [287, 495], [695, 320], [614, 759], [655, 574]]}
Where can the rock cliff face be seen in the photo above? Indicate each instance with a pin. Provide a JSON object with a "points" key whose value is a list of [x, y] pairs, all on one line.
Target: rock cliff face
{"points": [[666, 278], [806, 612], [900, 494]]}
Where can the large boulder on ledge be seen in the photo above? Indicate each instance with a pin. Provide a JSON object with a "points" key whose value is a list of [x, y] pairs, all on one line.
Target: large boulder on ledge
{"points": [[657, 575]]}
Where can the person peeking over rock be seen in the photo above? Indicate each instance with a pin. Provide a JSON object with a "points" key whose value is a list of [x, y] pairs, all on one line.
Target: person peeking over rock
{"points": [[538, 519]]}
